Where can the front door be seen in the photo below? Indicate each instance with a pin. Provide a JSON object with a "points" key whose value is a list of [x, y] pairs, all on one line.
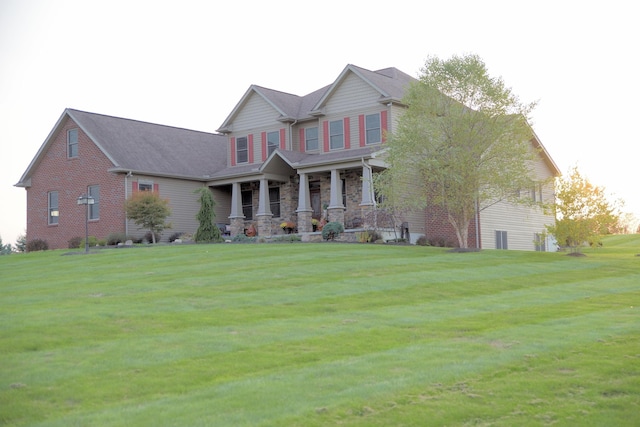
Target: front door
{"points": [[316, 201]]}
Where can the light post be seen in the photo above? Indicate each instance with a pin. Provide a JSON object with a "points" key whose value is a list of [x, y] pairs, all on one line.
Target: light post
{"points": [[85, 199]]}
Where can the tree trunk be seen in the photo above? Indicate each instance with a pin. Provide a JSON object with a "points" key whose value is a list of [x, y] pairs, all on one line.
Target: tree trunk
{"points": [[461, 226]]}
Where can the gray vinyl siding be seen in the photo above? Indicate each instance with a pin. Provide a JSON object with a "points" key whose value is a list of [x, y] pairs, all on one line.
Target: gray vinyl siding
{"points": [[520, 222], [183, 203], [352, 95]]}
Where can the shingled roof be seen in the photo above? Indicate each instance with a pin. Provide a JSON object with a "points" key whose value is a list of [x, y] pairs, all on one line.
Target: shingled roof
{"points": [[142, 147]]}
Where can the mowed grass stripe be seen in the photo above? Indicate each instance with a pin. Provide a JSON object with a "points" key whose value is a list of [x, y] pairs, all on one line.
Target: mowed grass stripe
{"points": [[347, 380], [152, 340]]}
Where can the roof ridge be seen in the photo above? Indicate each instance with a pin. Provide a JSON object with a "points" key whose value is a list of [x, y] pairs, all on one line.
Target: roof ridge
{"points": [[72, 110]]}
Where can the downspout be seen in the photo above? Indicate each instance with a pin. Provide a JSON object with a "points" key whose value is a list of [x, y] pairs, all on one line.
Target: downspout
{"points": [[126, 189]]}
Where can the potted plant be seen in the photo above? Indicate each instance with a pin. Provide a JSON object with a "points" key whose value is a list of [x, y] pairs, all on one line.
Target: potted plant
{"points": [[288, 226], [315, 223]]}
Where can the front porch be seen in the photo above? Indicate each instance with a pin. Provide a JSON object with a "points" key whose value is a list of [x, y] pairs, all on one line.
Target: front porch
{"points": [[260, 204]]}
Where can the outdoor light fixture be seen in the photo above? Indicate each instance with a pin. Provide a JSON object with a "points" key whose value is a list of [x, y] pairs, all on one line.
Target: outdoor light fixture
{"points": [[85, 199]]}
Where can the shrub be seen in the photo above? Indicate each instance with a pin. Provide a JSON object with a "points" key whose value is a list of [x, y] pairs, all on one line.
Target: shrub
{"points": [[243, 238], [287, 238], [422, 241], [331, 230], [114, 238], [5, 249], [175, 236], [148, 237], [75, 242], [21, 243], [93, 241], [37, 245]]}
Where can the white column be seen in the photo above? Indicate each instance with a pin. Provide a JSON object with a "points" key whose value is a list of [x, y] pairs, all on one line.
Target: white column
{"points": [[304, 201], [335, 201], [367, 186], [264, 205], [236, 201]]}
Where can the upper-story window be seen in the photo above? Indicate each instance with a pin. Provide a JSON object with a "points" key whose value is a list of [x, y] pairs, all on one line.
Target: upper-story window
{"points": [[242, 150], [336, 134], [94, 209], [72, 143], [273, 141], [373, 128], [311, 139]]}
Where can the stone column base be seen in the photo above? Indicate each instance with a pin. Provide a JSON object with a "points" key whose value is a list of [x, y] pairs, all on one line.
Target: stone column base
{"points": [[366, 211], [237, 226], [264, 225], [304, 221], [336, 214]]}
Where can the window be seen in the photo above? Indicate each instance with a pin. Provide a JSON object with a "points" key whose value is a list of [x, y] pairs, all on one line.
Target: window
{"points": [[372, 129], [145, 186], [344, 192], [539, 240], [247, 204], [336, 134], [242, 150], [311, 139], [501, 240], [273, 142], [274, 201], [72, 143], [94, 209], [54, 212]]}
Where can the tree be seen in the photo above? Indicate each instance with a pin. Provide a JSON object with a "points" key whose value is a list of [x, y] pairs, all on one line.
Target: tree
{"points": [[463, 140], [583, 213], [207, 231], [5, 249], [149, 211]]}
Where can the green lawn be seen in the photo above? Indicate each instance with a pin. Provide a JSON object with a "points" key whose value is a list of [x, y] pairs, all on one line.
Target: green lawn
{"points": [[320, 334]]}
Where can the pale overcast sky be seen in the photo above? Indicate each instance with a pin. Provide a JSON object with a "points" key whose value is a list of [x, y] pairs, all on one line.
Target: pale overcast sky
{"points": [[187, 64]]}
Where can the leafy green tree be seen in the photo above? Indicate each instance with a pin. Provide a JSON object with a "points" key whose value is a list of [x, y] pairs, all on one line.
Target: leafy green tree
{"points": [[462, 144], [149, 211], [207, 231], [583, 213]]}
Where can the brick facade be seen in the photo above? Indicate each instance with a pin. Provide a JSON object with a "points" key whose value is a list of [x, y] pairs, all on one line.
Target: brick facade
{"points": [[70, 177]]}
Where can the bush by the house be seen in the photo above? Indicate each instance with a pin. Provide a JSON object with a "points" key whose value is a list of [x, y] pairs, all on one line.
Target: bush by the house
{"points": [[37, 245], [148, 237], [21, 243], [75, 242], [332, 230], [422, 241], [114, 238]]}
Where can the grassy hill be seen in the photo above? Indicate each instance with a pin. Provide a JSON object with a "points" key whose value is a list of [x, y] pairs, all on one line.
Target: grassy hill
{"points": [[320, 334]]}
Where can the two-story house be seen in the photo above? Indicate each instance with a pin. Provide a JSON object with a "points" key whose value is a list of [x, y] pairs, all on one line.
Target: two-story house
{"points": [[277, 157]]}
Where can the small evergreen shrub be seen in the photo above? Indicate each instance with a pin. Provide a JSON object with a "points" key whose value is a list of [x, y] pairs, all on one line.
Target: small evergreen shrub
{"points": [[74, 242], [243, 238], [93, 241], [332, 230], [37, 245], [21, 243], [5, 249]]}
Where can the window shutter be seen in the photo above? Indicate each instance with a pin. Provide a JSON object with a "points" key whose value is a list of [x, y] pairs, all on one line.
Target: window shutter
{"points": [[303, 141], [283, 140], [361, 130], [263, 137], [134, 186], [325, 135], [347, 133], [233, 151], [156, 188], [383, 124], [250, 147]]}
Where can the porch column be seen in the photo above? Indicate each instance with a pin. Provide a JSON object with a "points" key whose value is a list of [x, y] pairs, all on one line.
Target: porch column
{"points": [[335, 211], [264, 209], [237, 217], [304, 210], [367, 205]]}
